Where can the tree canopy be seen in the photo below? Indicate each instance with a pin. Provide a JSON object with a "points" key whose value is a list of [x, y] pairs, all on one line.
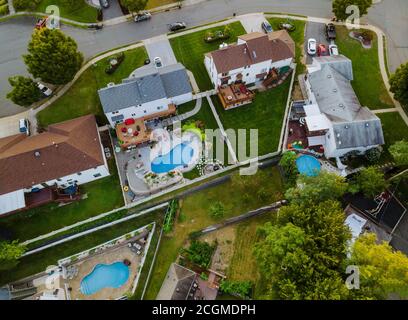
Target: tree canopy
{"points": [[10, 252], [370, 181], [134, 5], [53, 56], [339, 7], [25, 91], [399, 151], [288, 164], [399, 84], [25, 4]]}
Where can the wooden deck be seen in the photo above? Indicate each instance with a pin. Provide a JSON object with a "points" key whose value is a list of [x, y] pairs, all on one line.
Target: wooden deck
{"points": [[235, 95]]}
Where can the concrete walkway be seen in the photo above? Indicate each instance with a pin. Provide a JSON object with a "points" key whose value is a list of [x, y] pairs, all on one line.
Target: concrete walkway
{"points": [[386, 110]]}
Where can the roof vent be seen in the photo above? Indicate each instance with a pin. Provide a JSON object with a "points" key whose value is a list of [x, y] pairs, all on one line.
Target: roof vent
{"points": [[367, 125], [334, 90], [341, 105], [329, 76], [37, 154], [111, 84], [346, 127]]}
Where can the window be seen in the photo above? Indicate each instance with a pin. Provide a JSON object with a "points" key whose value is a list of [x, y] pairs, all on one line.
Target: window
{"points": [[96, 175], [224, 74]]}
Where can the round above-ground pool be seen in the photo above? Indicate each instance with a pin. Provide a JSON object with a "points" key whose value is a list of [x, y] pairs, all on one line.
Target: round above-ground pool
{"points": [[102, 276], [308, 165]]}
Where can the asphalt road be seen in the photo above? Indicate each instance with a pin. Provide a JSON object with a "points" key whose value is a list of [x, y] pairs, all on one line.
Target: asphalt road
{"points": [[390, 15]]}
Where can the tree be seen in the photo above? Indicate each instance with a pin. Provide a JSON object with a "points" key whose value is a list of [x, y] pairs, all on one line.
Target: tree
{"points": [[241, 288], [134, 5], [399, 151], [10, 252], [25, 4], [25, 91], [217, 210], [288, 164], [370, 181], [373, 154], [399, 84], [322, 187], [340, 7], [383, 272], [200, 253], [53, 56]]}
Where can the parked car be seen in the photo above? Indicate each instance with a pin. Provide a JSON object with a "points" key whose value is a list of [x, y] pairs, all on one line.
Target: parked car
{"points": [[330, 32], [41, 23], [104, 3], [143, 16], [24, 126], [321, 50], [266, 26], [333, 50], [311, 46], [157, 62], [44, 90], [177, 26]]}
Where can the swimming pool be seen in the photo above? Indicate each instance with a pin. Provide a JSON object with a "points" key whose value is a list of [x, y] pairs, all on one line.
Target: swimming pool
{"points": [[179, 156], [102, 276], [308, 165]]}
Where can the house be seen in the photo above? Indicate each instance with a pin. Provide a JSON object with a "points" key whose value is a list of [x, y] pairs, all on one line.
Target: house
{"points": [[334, 117], [67, 154], [149, 93], [178, 284], [253, 59]]}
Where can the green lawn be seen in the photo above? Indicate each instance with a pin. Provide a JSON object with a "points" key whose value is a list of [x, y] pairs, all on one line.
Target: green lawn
{"points": [[37, 262], [103, 195], [298, 36], [394, 129], [79, 11], [190, 49], [82, 98], [368, 83], [265, 114], [239, 195]]}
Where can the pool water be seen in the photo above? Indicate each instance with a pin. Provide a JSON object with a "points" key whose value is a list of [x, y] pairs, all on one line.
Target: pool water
{"points": [[308, 165], [179, 156], [102, 276]]}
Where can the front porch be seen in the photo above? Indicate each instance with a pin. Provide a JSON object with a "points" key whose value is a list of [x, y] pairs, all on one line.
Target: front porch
{"points": [[235, 95]]}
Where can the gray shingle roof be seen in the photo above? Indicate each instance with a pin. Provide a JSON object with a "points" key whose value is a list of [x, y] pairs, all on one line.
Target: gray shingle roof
{"points": [[358, 134], [146, 84], [340, 63]]}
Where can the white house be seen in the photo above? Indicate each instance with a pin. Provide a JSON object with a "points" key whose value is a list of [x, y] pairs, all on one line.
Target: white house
{"points": [[149, 91], [251, 59], [68, 153], [335, 118]]}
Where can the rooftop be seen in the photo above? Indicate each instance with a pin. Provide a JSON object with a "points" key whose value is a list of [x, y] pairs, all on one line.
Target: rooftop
{"points": [[177, 284]]}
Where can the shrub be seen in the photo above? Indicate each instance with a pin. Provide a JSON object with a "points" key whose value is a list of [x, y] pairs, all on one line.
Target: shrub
{"points": [[200, 253], [217, 210], [240, 288], [373, 154], [4, 9]]}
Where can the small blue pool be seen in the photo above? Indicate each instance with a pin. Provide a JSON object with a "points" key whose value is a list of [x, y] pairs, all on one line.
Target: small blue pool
{"points": [[179, 156], [102, 276], [308, 165]]}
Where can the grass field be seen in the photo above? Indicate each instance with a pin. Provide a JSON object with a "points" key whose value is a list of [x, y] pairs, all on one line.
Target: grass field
{"points": [[238, 195], [368, 83], [394, 129], [79, 10], [190, 49], [37, 262], [265, 114], [158, 3], [103, 195], [82, 98]]}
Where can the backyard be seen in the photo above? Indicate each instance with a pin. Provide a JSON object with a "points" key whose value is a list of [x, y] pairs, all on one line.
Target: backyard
{"points": [[82, 98], [254, 191], [265, 114], [394, 129], [368, 83], [189, 49], [102, 195]]}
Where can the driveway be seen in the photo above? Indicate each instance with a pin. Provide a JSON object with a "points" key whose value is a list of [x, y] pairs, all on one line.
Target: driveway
{"points": [[316, 31], [9, 125], [160, 47], [113, 11], [253, 22]]}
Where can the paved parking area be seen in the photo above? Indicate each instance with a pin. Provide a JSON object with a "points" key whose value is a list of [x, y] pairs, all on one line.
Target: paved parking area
{"points": [[9, 125], [316, 31], [113, 11], [253, 22], [160, 47]]}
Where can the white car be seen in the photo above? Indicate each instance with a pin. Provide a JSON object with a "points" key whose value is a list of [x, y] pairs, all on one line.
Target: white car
{"points": [[24, 126], [157, 62], [334, 51], [44, 90], [311, 46]]}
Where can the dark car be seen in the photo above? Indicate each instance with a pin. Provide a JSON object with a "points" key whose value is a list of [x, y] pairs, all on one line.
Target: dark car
{"points": [[104, 3], [330, 32], [142, 16], [177, 26], [266, 26]]}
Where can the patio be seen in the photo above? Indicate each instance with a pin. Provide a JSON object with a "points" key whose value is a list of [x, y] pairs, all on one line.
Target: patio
{"points": [[235, 95]]}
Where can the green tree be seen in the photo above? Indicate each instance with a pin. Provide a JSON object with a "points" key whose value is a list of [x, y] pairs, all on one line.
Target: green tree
{"points": [[200, 253], [370, 181], [339, 7], [53, 56], [134, 5], [25, 91], [10, 252], [399, 84], [288, 164], [399, 151], [25, 4], [241, 288], [217, 210], [322, 187], [383, 271]]}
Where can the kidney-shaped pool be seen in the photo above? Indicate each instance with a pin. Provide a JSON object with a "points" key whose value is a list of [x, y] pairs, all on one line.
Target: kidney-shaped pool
{"points": [[179, 156]]}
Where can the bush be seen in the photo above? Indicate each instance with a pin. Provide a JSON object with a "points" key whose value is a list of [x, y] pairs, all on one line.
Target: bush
{"points": [[200, 253], [240, 288], [373, 154], [112, 68], [25, 4], [217, 210], [4, 9]]}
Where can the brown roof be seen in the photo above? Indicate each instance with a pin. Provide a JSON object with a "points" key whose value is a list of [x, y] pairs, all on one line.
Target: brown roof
{"points": [[257, 48], [285, 37], [66, 148]]}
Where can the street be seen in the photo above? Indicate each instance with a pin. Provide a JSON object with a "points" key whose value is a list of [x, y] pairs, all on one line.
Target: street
{"points": [[390, 15]]}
